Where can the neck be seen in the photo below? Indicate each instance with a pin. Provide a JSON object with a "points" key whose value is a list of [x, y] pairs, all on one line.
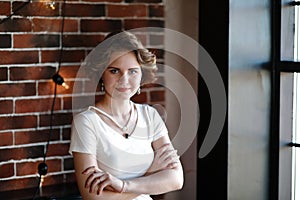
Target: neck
{"points": [[115, 107]]}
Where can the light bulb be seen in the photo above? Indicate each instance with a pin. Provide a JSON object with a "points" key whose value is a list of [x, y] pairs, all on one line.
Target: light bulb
{"points": [[51, 5], [58, 79], [66, 86]]}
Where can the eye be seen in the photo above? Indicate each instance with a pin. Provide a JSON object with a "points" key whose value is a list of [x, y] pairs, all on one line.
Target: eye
{"points": [[133, 71], [114, 71]]}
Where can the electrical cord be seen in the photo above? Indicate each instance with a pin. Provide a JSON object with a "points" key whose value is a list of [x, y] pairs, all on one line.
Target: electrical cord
{"points": [[58, 80]]}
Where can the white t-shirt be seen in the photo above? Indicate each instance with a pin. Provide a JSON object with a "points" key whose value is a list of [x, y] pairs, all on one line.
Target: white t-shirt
{"points": [[121, 157]]}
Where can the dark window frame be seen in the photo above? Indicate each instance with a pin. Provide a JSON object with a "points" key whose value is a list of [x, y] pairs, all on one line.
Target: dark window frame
{"points": [[279, 30]]}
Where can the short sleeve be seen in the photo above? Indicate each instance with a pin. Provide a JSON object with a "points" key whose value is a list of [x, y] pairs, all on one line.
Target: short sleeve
{"points": [[159, 125], [83, 137]]}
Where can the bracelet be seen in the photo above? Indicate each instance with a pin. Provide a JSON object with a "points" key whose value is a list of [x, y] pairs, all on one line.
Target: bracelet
{"points": [[123, 187]]}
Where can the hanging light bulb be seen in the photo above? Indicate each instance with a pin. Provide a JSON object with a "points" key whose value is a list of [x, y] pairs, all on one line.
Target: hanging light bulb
{"points": [[58, 79], [49, 4], [52, 5]]}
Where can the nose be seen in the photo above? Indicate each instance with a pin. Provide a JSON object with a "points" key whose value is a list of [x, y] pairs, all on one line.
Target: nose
{"points": [[124, 78]]}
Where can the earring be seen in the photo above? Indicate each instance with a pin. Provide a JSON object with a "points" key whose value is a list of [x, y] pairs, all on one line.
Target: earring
{"points": [[138, 91], [102, 87]]}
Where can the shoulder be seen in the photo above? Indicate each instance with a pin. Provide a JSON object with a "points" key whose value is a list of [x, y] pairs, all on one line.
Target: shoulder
{"points": [[85, 115], [145, 107], [153, 112]]}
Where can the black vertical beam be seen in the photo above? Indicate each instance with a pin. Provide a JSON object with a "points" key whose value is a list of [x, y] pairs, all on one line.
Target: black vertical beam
{"points": [[275, 101], [213, 36]]}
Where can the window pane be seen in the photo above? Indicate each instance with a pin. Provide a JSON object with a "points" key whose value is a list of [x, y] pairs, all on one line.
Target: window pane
{"points": [[296, 138], [287, 41], [296, 174], [297, 34]]}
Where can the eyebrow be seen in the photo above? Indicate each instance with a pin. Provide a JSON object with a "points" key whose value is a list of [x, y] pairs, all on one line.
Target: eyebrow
{"points": [[111, 67]]}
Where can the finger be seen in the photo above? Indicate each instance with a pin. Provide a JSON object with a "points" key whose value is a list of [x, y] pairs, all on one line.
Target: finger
{"points": [[174, 159], [167, 146], [96, 182], [169, 153], [163, 149], [91, 178], [102, 185], [89, 170], [173, 165]]}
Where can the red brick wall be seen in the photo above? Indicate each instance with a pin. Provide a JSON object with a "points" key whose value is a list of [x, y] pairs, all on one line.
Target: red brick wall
{"points": [[29, 51]]}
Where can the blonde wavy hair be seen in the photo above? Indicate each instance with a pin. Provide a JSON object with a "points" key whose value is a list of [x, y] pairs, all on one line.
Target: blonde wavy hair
{"points": [[121, 41]]}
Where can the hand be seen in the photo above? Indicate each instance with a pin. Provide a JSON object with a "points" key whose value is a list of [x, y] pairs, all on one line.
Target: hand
{"points": [[99, 180], [164, 158]]}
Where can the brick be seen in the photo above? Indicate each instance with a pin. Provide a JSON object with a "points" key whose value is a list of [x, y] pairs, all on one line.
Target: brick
{"points": [[80, 102], [84, 10], [68, 164], [54, 25], [67, 56], [6, 106], [66, 133], [47, 88], [21, 153], [7, 170], [100, 25], [5, 41], [157, 96], [17, 89], [18, 57], [58, 119], [135, 10], [28, 168], [27, 137], [16, 184], [69, 71], [34, 8], [31, 73], [141, 23], [3, 73], [156, 10], [54, 180], [36, 105], [33, 41], [6, 139], [143, 1], [16, 122], [16, 25], [5, 8], [58, 149], [70, 178], [82, 40]]}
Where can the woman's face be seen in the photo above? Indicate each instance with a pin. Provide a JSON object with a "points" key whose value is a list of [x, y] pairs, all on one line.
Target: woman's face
{"points": [[123, 76]]}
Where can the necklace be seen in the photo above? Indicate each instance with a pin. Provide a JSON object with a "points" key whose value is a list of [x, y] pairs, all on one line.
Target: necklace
{"points": [[124, 128]]}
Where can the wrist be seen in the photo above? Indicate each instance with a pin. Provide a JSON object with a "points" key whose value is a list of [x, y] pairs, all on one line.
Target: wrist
{"points": [[123, 189]]}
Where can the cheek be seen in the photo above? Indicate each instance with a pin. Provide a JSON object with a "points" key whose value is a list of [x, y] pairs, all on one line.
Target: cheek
{"points": [[137, 79]]}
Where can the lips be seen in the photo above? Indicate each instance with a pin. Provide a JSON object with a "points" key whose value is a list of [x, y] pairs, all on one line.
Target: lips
{"points": [[122, 89]]}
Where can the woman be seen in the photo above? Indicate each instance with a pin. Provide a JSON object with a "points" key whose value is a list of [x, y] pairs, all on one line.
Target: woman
{"points": [[122, 149]]}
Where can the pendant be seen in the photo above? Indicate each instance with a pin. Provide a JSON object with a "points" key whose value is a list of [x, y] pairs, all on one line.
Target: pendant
{"points": [[125, 129], [126, 135]]}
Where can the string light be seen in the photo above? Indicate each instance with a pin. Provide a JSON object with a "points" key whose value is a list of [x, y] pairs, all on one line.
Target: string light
{"points": [[49, 4], [52, 5], [58, 79]]}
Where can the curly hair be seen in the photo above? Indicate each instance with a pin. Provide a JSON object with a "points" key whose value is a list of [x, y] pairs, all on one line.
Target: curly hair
{"points": [[121, 41]]}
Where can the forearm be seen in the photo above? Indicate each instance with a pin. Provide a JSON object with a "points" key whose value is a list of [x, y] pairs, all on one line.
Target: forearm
{"points": [[107, 195], [156, 183]]}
